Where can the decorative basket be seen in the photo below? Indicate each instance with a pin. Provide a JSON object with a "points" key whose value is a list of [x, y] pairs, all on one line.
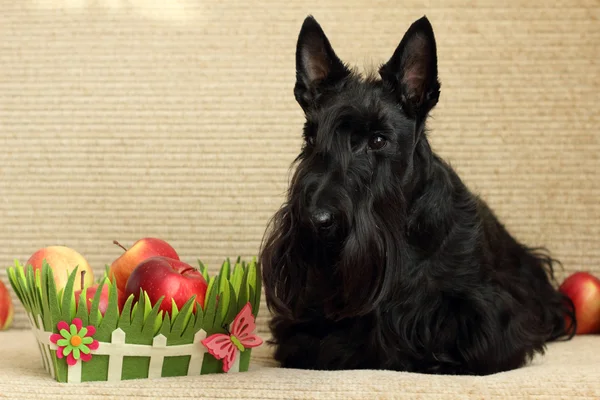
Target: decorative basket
{"points": [[79, 345]]}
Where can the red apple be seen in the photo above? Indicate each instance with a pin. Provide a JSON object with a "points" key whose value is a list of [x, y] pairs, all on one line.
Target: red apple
{"points": [[141, 250], [6, 308], [90, 292], [584, 290], [168, 277], [121, 298], [63, 261]]}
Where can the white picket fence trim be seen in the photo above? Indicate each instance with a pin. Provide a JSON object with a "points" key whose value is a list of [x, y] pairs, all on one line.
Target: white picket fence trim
{"points": [[116, 349]]}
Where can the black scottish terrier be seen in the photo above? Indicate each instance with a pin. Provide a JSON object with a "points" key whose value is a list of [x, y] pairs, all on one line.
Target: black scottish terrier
{"points": [[381, 257]]}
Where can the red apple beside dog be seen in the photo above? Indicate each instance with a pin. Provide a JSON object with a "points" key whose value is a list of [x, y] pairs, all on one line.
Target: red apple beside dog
{"points": [[168, 277], [121, 268], [583, 289], [90, 293], [6, 308]]}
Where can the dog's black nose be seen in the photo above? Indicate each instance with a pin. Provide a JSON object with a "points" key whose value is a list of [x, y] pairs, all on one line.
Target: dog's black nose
{"points": [[322, 219]]}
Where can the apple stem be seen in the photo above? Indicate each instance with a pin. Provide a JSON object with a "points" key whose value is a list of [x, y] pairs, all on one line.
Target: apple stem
{"points": [[82, 278], [188, 269], [119, 244]]}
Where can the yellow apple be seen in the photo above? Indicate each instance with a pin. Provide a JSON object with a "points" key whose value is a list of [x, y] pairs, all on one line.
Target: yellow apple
{"points": [[63, 260]]}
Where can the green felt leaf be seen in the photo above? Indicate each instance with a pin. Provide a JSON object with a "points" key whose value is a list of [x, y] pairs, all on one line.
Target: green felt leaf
{"points": [[165, 328], [29, 285], [203, 270], [225, 269], [245, 360], [138, 314], [152, 321], [232, 309], [211, 283], [210, 309], [237, 277], [244, 294], [252, 282], [148, 304], [72, 305], [94, 312], [24, 286], [187, 336], [158, 321], [134, 328], [174, 310], [68, 298], [180, 322], [134, 308], [223, 305], [258, 288], [60, 366], [53, 303], [250, 297], [22, 275], [82, 311], [199, 321], [126, 315], [15, 279], [223, 282], [37, 293], [108, 323]]}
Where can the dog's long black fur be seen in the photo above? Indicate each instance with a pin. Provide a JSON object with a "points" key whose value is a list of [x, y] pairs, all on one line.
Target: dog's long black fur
{"points": [[381, 257]]}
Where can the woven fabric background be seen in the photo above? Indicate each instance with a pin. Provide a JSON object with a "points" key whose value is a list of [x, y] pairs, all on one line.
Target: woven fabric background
{"points": [[121, 119]]}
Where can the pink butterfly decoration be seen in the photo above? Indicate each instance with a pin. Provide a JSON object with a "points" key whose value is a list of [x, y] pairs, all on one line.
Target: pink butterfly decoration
{"points": [[241, 337]]}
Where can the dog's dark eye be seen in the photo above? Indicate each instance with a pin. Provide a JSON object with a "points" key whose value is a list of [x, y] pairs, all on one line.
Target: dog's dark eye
{"points": [[377, 142], [310, 140]]}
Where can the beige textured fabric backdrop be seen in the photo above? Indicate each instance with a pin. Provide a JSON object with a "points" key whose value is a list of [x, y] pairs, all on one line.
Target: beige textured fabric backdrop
{"points": [[123, 119]]}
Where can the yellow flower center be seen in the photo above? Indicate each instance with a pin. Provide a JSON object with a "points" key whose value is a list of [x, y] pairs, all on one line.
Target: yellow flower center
{"points": [[75, 340]]}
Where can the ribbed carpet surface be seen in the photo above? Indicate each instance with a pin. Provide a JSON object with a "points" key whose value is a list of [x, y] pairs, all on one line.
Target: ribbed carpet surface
{"points": [[121, 119], [568, 371]]}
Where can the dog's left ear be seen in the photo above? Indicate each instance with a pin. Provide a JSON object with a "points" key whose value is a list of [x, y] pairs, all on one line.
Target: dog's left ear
{"points": [[317, 65], [412, 70]]}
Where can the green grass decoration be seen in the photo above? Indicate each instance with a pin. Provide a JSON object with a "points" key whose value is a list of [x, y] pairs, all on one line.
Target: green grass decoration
{"points": [[183, 317], [227, 292]]}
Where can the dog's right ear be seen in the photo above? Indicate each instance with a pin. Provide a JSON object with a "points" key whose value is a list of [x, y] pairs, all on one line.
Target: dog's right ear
{"points": [[317, 65], [412, 70]]}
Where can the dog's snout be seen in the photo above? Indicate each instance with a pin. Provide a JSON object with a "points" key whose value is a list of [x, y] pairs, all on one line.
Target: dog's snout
{"points": [[322, 218]]}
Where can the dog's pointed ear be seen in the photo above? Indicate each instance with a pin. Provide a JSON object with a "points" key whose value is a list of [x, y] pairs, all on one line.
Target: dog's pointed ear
{"points": [[412, 70], [317, 65]]}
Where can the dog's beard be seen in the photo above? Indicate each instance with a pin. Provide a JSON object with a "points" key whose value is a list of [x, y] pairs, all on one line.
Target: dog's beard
{"points": [[342, 275], [370, 261]]}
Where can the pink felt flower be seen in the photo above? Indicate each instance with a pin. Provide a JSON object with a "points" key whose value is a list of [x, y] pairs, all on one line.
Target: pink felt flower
{"points": [[74, 341]]}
